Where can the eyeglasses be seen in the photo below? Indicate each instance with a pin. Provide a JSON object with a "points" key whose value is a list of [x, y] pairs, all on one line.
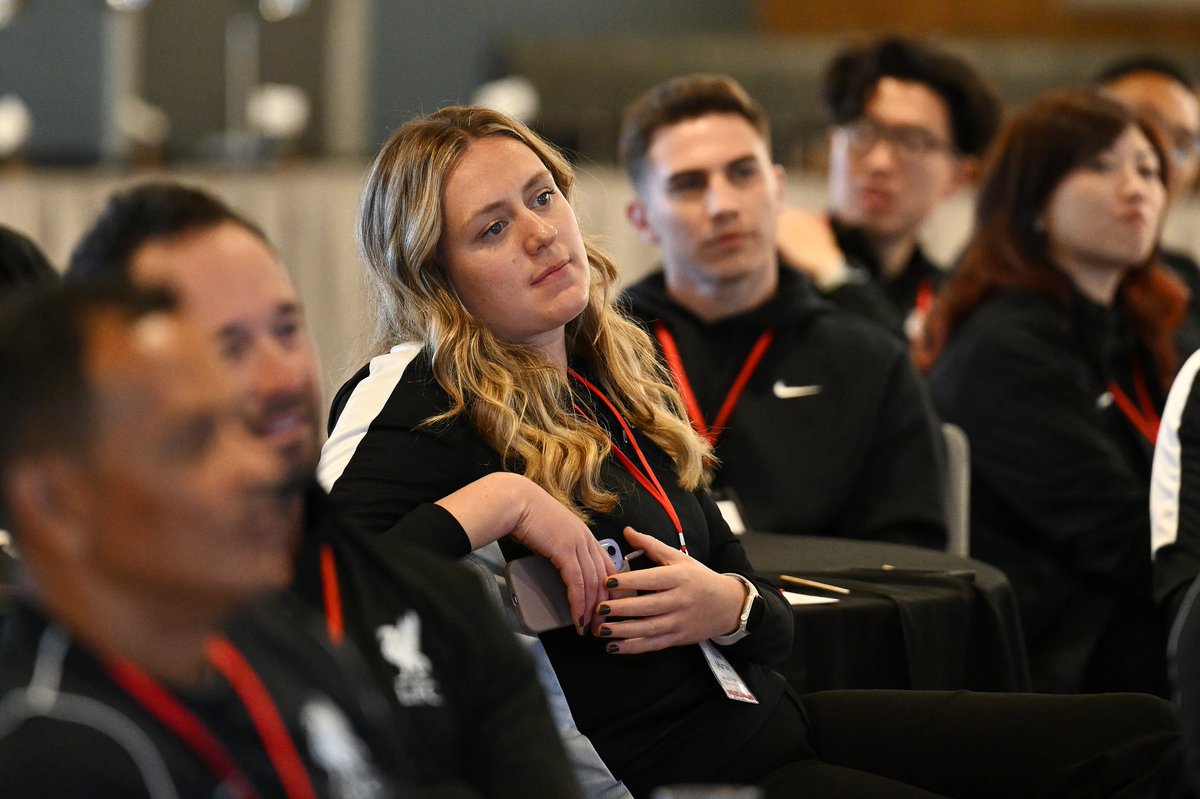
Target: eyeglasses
{"points": [[1183, 145], [908, 142]]}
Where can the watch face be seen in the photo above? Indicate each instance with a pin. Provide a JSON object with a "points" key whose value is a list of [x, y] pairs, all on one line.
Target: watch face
{"points": [[757, 609]]}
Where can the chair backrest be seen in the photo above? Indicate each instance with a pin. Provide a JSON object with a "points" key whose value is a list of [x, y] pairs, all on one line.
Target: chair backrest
{"points": [[958, 490], [1183, 664]]}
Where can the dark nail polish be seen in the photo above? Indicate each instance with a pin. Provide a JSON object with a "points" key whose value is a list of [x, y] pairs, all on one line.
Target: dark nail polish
{"points": [[604, 610], [611, 582], [582, 622], [612, 649], [605, 632]]}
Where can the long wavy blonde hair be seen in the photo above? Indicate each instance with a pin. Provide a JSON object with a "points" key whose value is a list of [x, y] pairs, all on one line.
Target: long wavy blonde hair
{"points": [[518, 401]]}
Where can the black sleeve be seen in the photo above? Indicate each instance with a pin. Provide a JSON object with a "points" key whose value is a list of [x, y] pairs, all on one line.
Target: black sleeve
{"points": [[1040, 443], [45, 758], [771, 643], [389, 486], [492, 730], [513, 748], [431, 526], [385, 467], [900, 494]]}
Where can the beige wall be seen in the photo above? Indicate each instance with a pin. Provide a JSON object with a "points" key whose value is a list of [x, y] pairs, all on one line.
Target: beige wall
{"points": [[308, 213]]}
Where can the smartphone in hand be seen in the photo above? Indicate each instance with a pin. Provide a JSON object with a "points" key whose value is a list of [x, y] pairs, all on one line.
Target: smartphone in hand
{"points": [[537, 592]]}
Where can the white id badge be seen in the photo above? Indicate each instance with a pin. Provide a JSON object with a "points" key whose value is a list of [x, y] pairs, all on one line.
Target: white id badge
{"points": [[731, 683]]}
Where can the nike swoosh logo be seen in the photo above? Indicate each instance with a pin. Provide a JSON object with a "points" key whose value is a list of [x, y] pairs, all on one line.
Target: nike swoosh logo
{"points": [[791, 392]]}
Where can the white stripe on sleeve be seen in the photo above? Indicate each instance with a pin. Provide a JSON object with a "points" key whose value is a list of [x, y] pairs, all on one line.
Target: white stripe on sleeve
{"points": [[365, 404], [1166, 475]]}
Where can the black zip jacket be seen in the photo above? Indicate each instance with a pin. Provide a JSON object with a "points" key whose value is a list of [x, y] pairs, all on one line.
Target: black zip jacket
{"points": [[1175, 493], [426, 628], [1059, 476], [654, 718], [67, 729], [855, 453]]}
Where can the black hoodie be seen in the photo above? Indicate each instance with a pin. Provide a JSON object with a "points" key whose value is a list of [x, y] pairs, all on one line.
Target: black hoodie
{"points": [[858, 457]]}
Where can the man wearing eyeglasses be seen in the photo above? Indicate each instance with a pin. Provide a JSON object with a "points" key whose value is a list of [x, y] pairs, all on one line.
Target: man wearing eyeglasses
{"points": [[1160, 89], [909, 126]]}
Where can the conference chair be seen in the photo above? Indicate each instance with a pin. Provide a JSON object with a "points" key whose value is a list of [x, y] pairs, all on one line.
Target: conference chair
{"points": [[958, 490]]}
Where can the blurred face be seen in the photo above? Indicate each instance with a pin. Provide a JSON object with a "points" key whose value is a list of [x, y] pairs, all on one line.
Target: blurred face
{"points": [[245, 301], [184, 504], [511, 244], [890, 169], [709, 199], [1176, 111], [1105, 215]]}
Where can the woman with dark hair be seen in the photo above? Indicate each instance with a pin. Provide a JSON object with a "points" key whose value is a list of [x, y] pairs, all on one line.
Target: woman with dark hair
{"points": [[500, 352], [1055, 338]]}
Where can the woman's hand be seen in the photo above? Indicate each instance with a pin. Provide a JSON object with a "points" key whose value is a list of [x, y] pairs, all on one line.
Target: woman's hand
{"points": [[503, 503], [551, 530], [688, 602]]}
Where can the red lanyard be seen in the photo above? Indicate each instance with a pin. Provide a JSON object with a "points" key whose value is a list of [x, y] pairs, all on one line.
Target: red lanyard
{"points": [[647, 478], [1144, 416], [675, 363], [278, 744], [924, 299], [334, 623]]}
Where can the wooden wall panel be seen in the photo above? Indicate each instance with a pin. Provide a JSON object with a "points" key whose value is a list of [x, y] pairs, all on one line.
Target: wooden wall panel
{"points": [[1055, 19]]}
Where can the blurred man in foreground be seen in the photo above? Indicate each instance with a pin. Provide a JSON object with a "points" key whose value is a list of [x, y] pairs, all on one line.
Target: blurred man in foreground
{"points": [[149, 519]]}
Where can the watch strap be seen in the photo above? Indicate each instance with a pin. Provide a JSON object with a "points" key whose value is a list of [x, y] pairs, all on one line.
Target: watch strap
{"points": [[742, 630]]}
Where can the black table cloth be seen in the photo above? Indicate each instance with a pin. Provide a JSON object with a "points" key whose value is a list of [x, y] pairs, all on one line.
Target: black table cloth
{"points": [[915, 618]]}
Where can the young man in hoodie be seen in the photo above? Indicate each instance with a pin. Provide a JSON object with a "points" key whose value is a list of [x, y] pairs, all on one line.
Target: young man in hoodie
{"points": [[819, 420]]}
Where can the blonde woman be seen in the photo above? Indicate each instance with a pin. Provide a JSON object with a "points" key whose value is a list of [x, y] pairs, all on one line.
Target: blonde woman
{"points": [[508, 385]]}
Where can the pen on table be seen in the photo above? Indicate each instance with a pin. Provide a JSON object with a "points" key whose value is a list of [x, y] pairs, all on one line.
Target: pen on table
{"points": [[837, 589]]}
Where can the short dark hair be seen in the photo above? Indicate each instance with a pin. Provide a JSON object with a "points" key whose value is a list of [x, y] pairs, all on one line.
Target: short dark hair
{"points": [[46, 403], [21, 262], [148, 212], [678, 99], [1143, 62], [974, 106]]}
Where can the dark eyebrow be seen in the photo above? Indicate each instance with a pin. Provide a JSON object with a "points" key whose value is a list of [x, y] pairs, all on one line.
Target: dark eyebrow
{"points": [[288, 309], [743, 161], [676, 178], [538, 177]]}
